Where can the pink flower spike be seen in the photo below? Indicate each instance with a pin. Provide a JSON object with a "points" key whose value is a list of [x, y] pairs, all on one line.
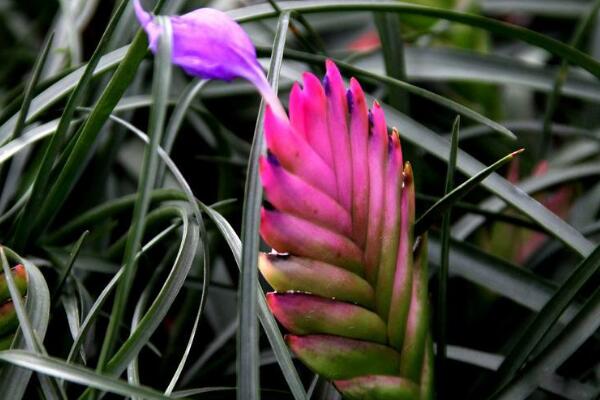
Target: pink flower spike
{"points": [[339, 213], [208, 44]]}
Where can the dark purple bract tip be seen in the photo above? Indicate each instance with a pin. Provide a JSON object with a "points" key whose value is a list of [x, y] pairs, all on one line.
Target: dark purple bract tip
{"points": [[350, 100], [272, 159], [326, 85]]}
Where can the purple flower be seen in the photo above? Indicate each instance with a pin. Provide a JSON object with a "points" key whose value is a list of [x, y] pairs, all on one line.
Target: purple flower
{"points": [[208, 44]]}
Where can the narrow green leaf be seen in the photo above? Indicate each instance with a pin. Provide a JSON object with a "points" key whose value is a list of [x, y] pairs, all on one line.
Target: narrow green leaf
{"points": [[247, 341], [535, 184], [30, 89], [556, 47], [401, 85], [543, 321], [160, 93], [67, 271], [181, 108], [392, 46], [76, 159], [585, 324], [552, 101], [189, 197], [112, 208], [442, 297], [552, 8], [40, 304], [267, 320], [499, 276], [312, 43], [39, 192], [193, 228], [58, 368], [432, 214], [94, 311], [490, 215], [223, 336], [563, 387]]}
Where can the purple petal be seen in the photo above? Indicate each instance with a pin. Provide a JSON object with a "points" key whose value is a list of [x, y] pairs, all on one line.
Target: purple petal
{"points": [[208, 44]]}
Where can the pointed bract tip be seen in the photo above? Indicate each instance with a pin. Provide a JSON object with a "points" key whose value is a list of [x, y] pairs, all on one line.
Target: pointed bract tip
{"points": [[19, 270], [376, 104], [268, 206], [331, 69], [296, 87], [312, 84], [350, 100], [326, 85], [272, 159], [408, 173], [394, 142]]}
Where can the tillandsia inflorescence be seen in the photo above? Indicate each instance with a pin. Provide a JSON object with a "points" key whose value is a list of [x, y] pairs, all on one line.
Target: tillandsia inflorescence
{"points": [[350, 280]]}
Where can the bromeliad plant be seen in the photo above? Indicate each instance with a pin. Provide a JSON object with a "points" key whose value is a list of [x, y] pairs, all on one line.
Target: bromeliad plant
{"points": [[350, 279], [341, 208]]}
